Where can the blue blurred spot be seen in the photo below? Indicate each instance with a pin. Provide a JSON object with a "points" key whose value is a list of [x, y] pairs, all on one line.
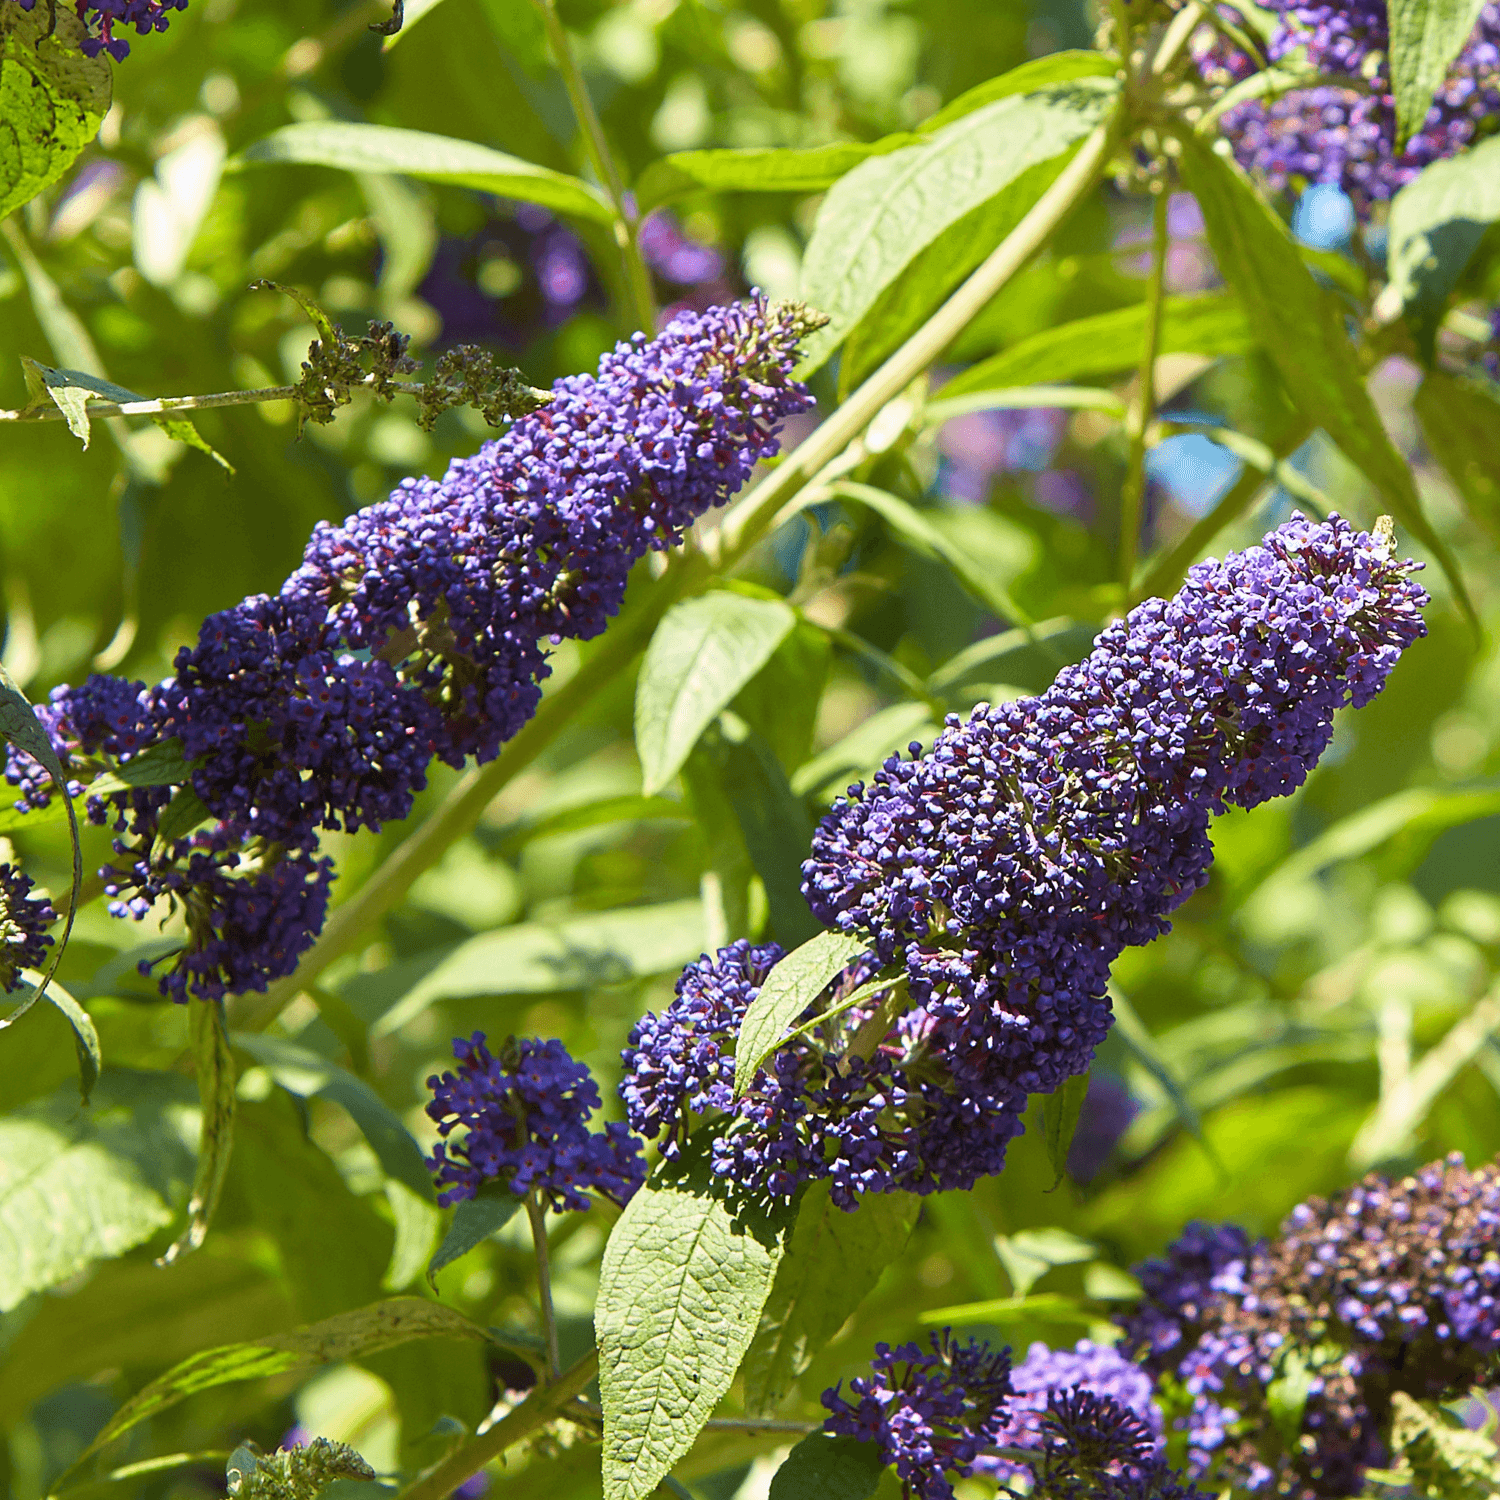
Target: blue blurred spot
{"points": [[1195, 470], [1324, 217]]}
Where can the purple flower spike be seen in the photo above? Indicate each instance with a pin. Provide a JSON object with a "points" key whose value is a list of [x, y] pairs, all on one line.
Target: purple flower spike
{"points": [[1346, 135], [1008, 867], [24, 920], [525, 1118], [931, 1413]]}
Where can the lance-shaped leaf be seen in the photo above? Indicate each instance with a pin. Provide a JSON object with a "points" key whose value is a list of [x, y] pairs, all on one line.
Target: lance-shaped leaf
{"points": [[821, 1467], [832, 1263], [78, 1186], [878, 218], [214, 1064], [85, 1037], [53, 99], [789, 989], [1460, 420], [1304, 334], [382, 1325], [1426, 37], [1060, 1111], [302, 1072], [1100, 345], [1436, 224], [684, 1278], [474, 1221], [354, 147], [704, 651]]}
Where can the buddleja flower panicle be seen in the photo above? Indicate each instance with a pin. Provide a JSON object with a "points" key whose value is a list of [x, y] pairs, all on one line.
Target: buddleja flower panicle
{"points": [[1387, 1288], [932, 1412], [416, 629], [1343, 131], [1009, 866], [24, 920], [893, 1120], [525, 1117]]}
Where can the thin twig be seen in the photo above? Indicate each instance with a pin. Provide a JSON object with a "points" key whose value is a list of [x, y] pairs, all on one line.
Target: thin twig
{"points": [[536, 1211], [1138, 418], [601, 159], [545, 1403]]}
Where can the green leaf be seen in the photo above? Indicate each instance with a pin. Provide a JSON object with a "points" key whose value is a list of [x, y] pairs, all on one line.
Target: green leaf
{"points": [[1440, 1457], [789, 989], [773, 822], [832, 1263], [1142, 1046], [924, 538], [383, 1325], [304, 1073], [76, 1187], [757, 169], [781, 701], [85, 1037], [704, 651], [1286, 1397], [1055, 67], [1029, 1254], [1459, 420], [1108, 342], [1044, 1307], [1426, 37], [214, 1064], [684, 1278], [1436, 224], [821, 1467], [185, 812], [415, 10], [433, 158], [474, 1220], [158, 765], [878, 218], [628, 807], [53, 99], [537, 958], [864, 749], [1060, 1111], [1029, 658], [1304, 334]]}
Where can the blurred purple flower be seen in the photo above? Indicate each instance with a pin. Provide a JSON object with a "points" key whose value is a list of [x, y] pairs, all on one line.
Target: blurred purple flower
{"points": [[1107, 1112], [978, 446]]}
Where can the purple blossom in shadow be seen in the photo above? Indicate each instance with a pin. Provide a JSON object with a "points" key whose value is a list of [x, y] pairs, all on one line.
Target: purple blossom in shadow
{"points": [[1108, 1109]]}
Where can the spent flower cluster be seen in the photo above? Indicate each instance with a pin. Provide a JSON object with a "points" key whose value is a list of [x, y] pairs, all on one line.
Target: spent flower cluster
{"points": [[1389, 1288]]}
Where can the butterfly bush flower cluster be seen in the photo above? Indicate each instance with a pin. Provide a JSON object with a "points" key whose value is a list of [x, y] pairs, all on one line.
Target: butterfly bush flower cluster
{"points": [[1045, 1374], [1344, 131], [932, 1413], [103, 16], [1004, 870], [525, 1121], [416, 628], [24, 920], [1389, 1287], [1079, 1423], [817, 1110]]}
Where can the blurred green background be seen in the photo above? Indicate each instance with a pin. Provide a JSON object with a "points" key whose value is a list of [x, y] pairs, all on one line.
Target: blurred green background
{"points": [[1323, 1006]]}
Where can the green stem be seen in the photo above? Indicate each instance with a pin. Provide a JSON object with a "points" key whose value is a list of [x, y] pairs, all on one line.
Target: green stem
{"points": [[1168, 571], [744, 525], [543, 1405], [601, 159], [1144, 406], [536, 1211]]}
